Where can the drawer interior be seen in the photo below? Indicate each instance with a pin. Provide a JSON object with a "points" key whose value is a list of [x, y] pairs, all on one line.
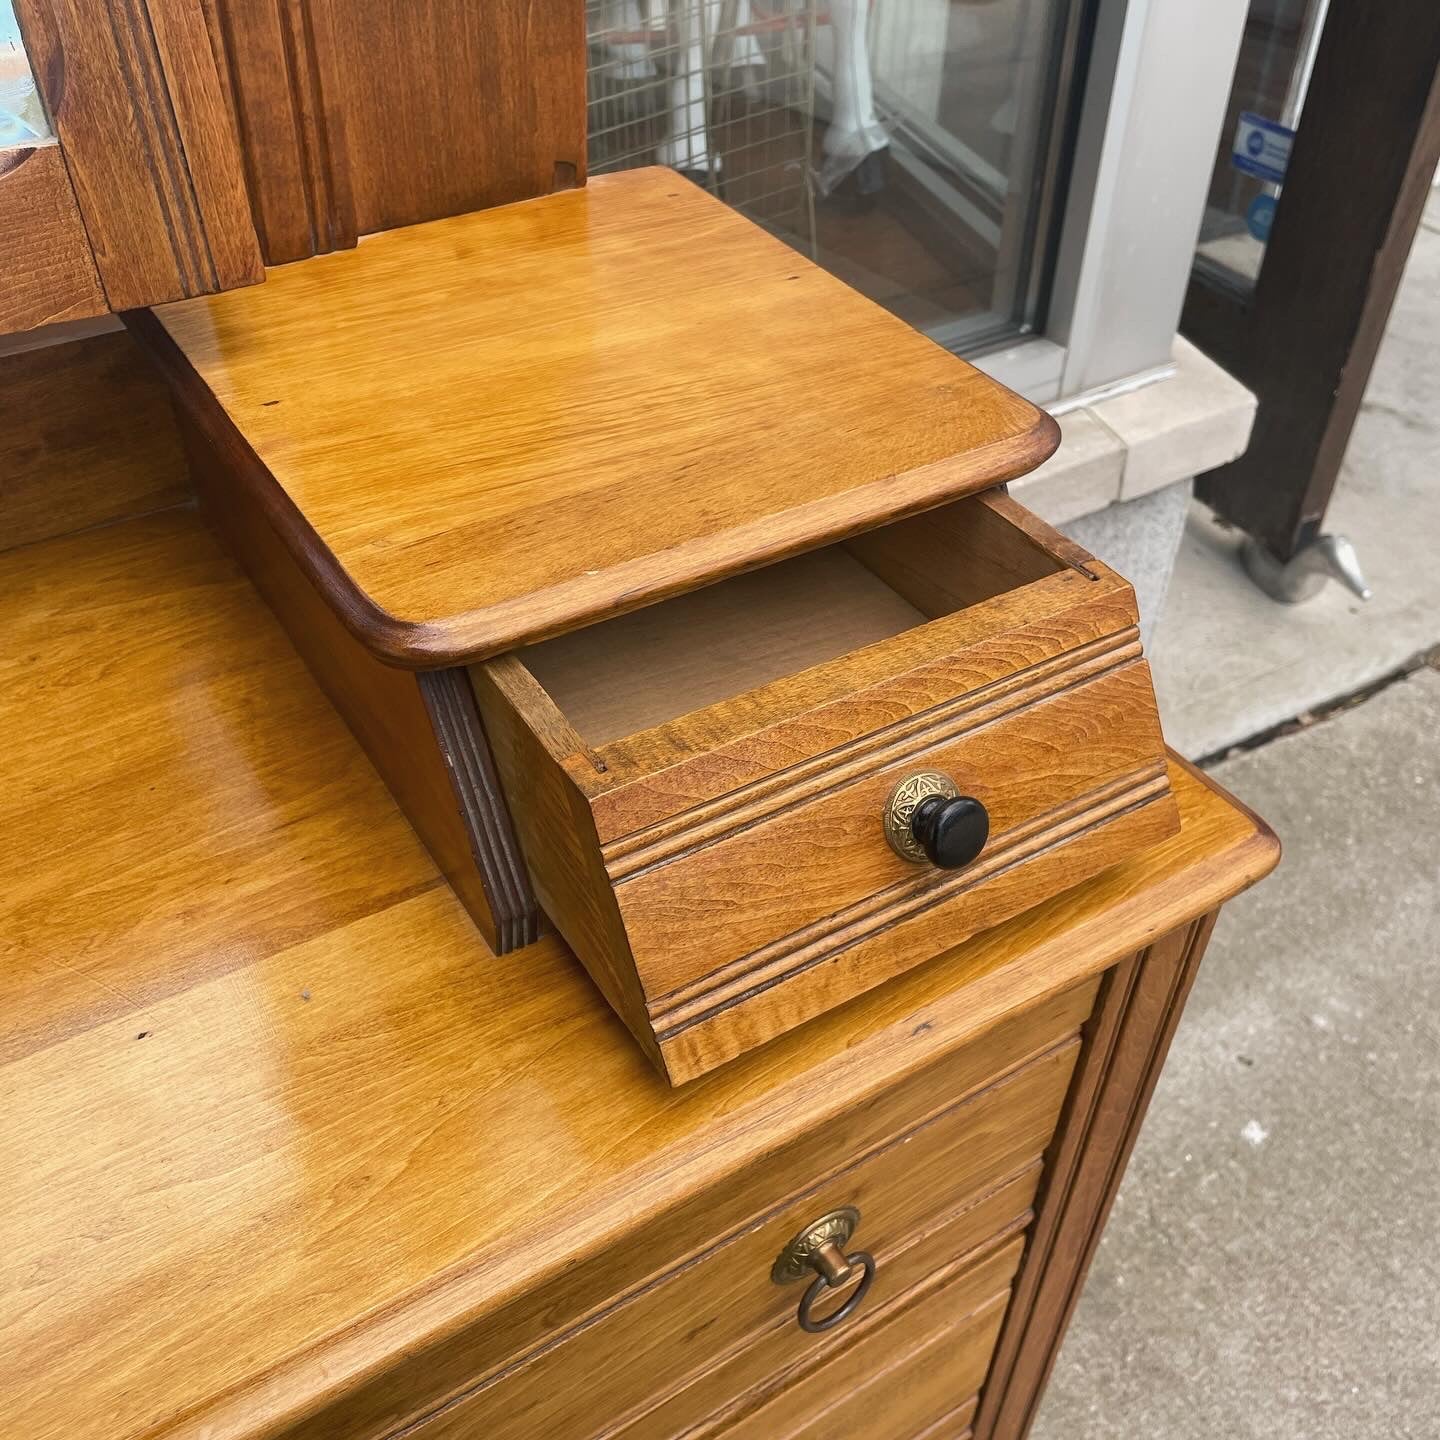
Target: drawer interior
{"points": [[651, 666], [699, 788]]}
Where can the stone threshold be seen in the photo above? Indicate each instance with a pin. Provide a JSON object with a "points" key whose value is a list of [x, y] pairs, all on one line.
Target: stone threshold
{"points": [[1135, 443]]}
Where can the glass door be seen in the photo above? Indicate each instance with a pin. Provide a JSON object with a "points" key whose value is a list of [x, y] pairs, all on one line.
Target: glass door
{"points": [[912, 147], [1272, 79]]}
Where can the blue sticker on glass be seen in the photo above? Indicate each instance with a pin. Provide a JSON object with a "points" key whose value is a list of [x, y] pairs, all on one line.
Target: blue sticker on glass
{"points": [[1262, 147], [1260, 216]]}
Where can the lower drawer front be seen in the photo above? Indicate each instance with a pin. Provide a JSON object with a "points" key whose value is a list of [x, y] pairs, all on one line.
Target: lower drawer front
{"points": [[770, 1358], [916, 1362], [954, 1424], [664, 1357]]}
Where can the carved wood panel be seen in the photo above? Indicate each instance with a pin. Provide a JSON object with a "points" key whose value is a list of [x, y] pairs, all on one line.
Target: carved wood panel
{"points": [[374, 114], [47, 275], [202, 135], [136, 101], [277, 63]]}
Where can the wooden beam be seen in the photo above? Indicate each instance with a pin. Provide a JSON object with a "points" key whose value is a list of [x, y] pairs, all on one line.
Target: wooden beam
{"points": [[1364, 157]]}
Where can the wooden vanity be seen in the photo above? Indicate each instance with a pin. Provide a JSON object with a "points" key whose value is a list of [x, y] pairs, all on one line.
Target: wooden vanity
{"points": [[645, 631], [574, 866], [291, 1153]]}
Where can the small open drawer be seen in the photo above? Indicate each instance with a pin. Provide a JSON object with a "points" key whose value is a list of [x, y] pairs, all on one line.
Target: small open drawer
{"points": [[701, 788]]}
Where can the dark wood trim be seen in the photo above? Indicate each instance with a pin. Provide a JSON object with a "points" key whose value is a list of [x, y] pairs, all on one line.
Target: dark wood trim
{"points": [[277, 60], [424, 740], [450, 702], [139, 109], [1126, 1042], [1306, 339]]}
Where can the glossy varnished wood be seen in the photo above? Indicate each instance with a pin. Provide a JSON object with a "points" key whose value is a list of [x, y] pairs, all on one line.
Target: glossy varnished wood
{"points": [[421, 730], [900, 1378], [776, 1360], [491, 429], [471, 106], [724, 873], [1126, 1044], [714, 1334], [89, 436], [257, 1077], [157, 836], [48, 273], [133, 92]]}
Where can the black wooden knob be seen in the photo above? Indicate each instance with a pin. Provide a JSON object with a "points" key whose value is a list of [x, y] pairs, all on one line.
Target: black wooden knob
{"points": [[951, 831]]}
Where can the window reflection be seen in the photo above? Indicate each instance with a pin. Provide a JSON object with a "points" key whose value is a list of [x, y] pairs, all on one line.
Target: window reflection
{"points": [[22, 118], [909, 146], [1272, 77]]}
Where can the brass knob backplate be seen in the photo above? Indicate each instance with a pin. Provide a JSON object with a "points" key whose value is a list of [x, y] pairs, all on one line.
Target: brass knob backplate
{"points": [[800, 1257], [900, 811]]}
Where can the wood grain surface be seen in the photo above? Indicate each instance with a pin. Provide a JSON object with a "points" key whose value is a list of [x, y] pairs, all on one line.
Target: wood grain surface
{"points": [[133, 93], [362, 115], [717, 1329], [492, 429], [157, 836], [256, 1076], [49, 273], [1127, 1040], [738, 1385], [741, 874], [644, 669], [277, 63], [897, 1380], [89, 436], [420, 730], [817, 867], [489, 100]]}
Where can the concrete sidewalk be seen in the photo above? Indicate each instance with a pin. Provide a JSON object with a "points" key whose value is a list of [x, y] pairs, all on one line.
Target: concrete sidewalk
{"points": [[1272, 1269], [1230, 663]]}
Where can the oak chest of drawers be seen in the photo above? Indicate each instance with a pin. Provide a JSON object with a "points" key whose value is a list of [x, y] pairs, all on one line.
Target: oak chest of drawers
{"points": [[647, 561], [289, 1159]]}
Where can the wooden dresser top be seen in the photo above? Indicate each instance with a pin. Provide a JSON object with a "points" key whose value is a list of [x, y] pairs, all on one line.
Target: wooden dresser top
{"points": [[271, 1113], [490, 429]]}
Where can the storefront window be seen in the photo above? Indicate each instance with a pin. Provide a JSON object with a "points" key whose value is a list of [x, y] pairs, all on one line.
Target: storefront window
{"points": [[1272, 76], [22, 118], [912, 147]]}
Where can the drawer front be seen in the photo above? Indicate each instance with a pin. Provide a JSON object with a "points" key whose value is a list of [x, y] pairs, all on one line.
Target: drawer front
{"points": [[774, 895], [904, 1373], [762, 928], [716, 1323], [725, 874], [772, 1359]]}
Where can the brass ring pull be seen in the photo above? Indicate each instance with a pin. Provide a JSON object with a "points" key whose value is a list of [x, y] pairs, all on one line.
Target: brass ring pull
{"points": [[819, 1249], [820, 1284]]}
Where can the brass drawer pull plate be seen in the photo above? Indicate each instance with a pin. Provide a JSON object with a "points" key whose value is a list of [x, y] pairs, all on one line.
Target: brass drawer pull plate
{"points": [[819, 1249], [928, 819]]}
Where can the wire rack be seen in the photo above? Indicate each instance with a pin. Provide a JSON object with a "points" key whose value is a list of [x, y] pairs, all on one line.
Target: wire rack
{"points": [[721, 90]]}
